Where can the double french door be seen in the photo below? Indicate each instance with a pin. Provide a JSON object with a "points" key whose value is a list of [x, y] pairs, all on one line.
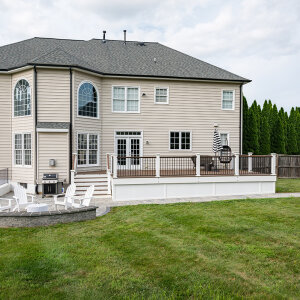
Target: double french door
{"points": [[128, 149]]}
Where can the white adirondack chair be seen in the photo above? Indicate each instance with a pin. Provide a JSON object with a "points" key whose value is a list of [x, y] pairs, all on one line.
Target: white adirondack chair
{"points": [[86, 200], [6, 207], [21, 198], [67, 200]]}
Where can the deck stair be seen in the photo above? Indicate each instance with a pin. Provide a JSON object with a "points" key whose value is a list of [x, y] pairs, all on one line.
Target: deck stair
{"points": [[100, 181]]}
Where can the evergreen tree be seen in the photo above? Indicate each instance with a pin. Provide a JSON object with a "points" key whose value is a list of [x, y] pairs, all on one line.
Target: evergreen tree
{"points": [[245, 126], [298, 128], [277, 138], [253, 132], [265, 143], [285, 120], [292, 145]]}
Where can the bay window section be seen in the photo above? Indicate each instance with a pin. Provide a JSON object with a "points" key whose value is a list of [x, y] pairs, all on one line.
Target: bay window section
{"points": [[126, 99], [22, 149], [87, 149]]}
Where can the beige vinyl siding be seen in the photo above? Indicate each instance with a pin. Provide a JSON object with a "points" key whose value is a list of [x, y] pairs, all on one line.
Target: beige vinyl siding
{"points": [[53, 95], [24, 125], [193, 106], [53, 146], [5, 122], [84, 124]]}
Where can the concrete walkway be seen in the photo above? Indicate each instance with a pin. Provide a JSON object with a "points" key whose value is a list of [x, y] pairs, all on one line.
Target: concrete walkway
{"points": [[111, 203]]}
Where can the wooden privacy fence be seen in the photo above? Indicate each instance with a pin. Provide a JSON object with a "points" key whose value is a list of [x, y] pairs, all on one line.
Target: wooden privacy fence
{"points": [[288, 166]]}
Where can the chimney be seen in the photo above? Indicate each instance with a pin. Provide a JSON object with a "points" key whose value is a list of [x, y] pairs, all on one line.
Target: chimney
{"points": [[104, 32], [124, 36]]}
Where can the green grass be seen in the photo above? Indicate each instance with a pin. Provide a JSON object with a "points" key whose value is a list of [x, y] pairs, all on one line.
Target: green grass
{"points": [[288, 185], [217, 250]]}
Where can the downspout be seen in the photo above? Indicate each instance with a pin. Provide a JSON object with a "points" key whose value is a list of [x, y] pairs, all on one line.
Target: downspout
{"points": [[241, 119], [71, 123], [35, 132]]}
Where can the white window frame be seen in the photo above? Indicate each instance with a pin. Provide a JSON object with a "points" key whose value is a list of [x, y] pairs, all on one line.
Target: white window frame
{"points": [[125, 111], [13, 98], [180, 131], [98, 101], [233, 100], [161, 87], [23, 150], [88, 150], [228, 136]]}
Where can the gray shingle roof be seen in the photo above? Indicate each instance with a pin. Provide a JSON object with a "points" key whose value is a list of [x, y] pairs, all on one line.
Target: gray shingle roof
{"points": [[53, 125], [111, 58]]}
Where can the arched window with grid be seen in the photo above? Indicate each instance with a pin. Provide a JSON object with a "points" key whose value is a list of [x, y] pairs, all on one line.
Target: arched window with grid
{"points": [[87, 100], [22, 99]]}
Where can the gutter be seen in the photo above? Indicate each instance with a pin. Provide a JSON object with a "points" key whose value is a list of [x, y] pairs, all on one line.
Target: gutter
{"points": [[127, 75], [35, 126], [241, 120], [71, 124]]}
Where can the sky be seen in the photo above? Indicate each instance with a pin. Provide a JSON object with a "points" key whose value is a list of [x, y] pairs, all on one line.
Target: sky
{"points": [[256, 39]]}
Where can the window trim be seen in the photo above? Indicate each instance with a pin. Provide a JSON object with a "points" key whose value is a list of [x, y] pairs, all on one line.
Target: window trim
{"points": [[13, 98], [23, 150], [98, 149], [168, 95], [233, 100], [180, 131], [125, 111], [98, 101], [228, 136]]}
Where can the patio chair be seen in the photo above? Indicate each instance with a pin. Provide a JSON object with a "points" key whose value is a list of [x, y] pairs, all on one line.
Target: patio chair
{"points": [[85, 201], [21, 198], [67, 200], [6, 207]]}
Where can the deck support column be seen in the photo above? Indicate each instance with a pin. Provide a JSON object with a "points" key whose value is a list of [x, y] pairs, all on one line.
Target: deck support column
{"points": [[115, 167], [198, 167], [273, 164], [237, 165], [157, 165], [250, 162]]}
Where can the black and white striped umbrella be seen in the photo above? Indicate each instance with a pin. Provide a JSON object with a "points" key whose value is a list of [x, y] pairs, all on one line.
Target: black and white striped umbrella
{"points": [[217, 144]]}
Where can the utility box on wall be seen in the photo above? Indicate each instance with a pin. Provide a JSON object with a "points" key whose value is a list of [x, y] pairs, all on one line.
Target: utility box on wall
{"points": [[52, 162]]}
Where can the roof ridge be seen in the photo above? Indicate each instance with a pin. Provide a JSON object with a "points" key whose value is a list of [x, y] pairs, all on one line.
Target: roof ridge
{"points": [[127, 41], [63, 39]]}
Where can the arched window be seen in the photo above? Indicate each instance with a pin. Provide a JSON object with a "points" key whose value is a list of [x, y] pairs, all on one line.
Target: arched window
{"points": [[87, 100], [22, 99]]}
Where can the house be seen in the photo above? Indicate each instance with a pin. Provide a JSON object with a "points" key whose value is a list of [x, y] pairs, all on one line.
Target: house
{"points": [[60, 97]]}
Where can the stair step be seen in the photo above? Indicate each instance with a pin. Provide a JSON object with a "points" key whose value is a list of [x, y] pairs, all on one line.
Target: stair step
{"points": [[97, 188], [96, 193], [100, 179], [81, 176], [87, 184]]}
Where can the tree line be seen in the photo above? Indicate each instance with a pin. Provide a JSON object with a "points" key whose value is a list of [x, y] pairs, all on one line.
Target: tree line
{"points": [[269, 130]]}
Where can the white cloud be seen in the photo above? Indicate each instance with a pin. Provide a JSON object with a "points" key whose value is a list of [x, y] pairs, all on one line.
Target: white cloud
{"points": [[258, 39]]}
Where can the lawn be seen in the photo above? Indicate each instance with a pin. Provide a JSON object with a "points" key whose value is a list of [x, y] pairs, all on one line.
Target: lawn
{"points": [[223, 250], [288, 185]]}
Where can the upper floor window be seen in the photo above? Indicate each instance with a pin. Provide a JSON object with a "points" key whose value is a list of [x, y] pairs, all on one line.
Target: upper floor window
{"points": [[161, 95], [22, 149], [180, 140], [126, 99], [22, 99], [87, 101], [228, 100]]}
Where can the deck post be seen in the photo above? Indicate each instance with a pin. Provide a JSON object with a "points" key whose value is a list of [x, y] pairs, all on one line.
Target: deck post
{"points": [[72, 176], [236, 165], [273, 164], [250, 162], [157, 165], [198, 168], [115, 167]]}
